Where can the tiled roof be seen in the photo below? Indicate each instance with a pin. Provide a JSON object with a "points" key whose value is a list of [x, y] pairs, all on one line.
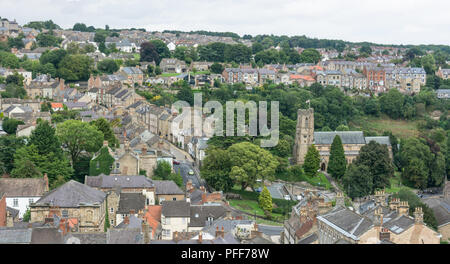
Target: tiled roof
{"points": [[175, 209], [106, 181], [167, 187], [131, 201]]}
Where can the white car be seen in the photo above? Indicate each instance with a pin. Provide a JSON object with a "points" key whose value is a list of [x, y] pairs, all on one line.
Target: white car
{"points": [[287, 197], [191, 172]]}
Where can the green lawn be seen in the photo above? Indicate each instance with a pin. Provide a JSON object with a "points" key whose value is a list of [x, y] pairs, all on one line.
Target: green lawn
{"points": [[251, 207], [168, 74], [400, 128], [396, 184], [319, 180], [200, 72]]}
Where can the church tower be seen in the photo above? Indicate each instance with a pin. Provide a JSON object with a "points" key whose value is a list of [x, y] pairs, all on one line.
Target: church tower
{"points": [[304, 136]]}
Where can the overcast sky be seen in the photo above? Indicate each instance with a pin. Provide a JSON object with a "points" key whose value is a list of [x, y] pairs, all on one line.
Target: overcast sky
{"points": [[379, 21]]}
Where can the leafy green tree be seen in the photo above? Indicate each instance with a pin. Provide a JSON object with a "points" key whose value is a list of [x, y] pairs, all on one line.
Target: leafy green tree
{"points": [[54, 57], [10, 125], [357, 181], [391, 103], [365, 49], [257, 47], [107, 223], [176, 177], [45, 140], [186, 94], [162, 171], [265, 201], [216, 168], [25, 169], [77, 136], [27, 216], [47, 40], [310, 56], [13, 90], [342, 128], [149, 53], [8, 146], [312, 162], [256, 162], [217, 68], [108, 134], [102, 163], [376, 157], [337, 163], [9, 60], [75, 67], [416, 160], [161, 48]]}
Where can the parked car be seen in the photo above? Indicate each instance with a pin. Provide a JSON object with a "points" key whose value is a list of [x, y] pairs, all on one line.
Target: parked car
{"points": [[176, 162], [287, 197], [191, 172]]}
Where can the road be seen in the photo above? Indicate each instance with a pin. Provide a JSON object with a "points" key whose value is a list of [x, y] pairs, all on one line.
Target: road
{"points": [[183, 168], [270, 230]]}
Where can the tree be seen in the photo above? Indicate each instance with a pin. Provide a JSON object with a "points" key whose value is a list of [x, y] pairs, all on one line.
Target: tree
{"points": [[8, 146], [149, 53], [161, 48], [217, 68], [376, 157], [27, 216], [357, 181], [54, 57], [256, 162], [77, 136], [75, 67], [257, 47], [337, 163], [10, 125], [25, 169], [391, 103], [216, 169], [310, 56], [342, 128], [265, 201], [416, 160], [108, 134], [312, 161], [45, 140], [107, 223], [186, 94], [365, 49], [414, 202], [47, 40], [108, 66], [176, 177], [162, 171]]}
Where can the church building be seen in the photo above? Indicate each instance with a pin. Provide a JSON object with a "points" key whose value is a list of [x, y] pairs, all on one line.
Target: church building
{"points": [[352, 141]]}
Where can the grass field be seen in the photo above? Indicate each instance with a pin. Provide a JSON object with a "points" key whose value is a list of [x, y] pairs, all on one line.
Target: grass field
{"points": [[319, 180], [396, 184], [400, 128], [169, 74], [252, 207]]}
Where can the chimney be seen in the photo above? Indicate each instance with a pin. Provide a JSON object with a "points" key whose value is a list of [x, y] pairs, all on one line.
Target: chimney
{"points": [[105, 143], [126, 220], [144, 151], [403, 208], [228, 214], [418, 215], [132, 212], [62, 226], [202, 188], [220, 233], [61, 84], [46, 182], [385, 235], [145, 230], [200, 238], [203, 198]]}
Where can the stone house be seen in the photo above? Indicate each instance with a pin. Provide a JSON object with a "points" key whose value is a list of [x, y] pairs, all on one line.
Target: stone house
{"points": [[21, 192], [443, 73], [168, 191], [73, 200], [200, 65], [133, 75], [169, 65]]}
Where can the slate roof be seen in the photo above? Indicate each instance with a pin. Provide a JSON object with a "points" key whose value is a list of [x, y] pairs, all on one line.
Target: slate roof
{"points": [[134, 223], [227, 224], [167, 187], [106, 181], [379, 140], [175, 209], [347, 222], [124, 236], [46, 235], [441, 209], [200, 214], [399, 224], [22, 187], [14, 212], [131, 201], [347, 137], [85, 238], [15, 236], [72, 194], [309, 239]]}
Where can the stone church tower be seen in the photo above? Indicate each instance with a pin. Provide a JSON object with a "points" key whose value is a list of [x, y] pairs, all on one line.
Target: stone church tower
{"points": [[304, 136]]}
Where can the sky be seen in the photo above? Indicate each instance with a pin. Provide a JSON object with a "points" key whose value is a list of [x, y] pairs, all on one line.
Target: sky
{"points": [[378, 21]]}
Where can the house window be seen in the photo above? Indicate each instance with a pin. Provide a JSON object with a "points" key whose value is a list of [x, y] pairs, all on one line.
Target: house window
{"points": [[174, 199], [112, 222], [65, 213], [15, 202], [111, 210], [117, 165], [30, 201]]}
